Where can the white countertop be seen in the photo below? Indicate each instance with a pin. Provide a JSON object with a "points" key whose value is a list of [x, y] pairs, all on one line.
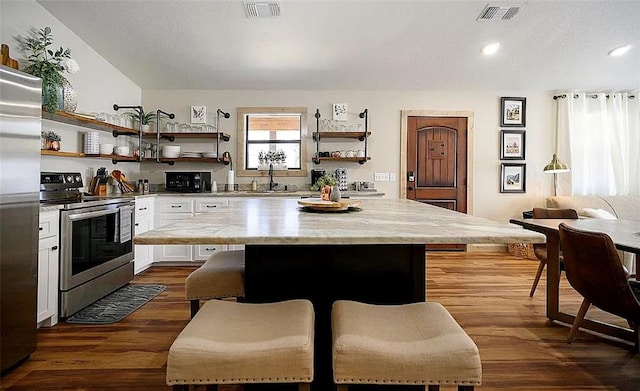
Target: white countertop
{"points": [[380, 221]]}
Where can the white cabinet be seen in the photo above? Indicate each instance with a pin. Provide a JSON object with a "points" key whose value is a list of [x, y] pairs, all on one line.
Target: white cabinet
{"points": [[143, 223], [173, 209], [48, 268], [170, 210], [202, 252]]}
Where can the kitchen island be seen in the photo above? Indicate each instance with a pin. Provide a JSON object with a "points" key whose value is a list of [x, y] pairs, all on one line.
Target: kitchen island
{"points": [[374, 254]]}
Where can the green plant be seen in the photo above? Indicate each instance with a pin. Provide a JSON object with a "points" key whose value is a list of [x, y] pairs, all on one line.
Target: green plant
{"points": [[46, 64], [51, 136], [323, 180], [144, 118]]}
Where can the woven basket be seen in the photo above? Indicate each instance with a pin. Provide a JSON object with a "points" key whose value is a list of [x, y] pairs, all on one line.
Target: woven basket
{"points": [[521, 250]]}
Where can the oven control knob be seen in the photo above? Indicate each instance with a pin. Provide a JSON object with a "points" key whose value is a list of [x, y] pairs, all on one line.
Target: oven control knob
{"points": [[70, 179], [78, 179]]}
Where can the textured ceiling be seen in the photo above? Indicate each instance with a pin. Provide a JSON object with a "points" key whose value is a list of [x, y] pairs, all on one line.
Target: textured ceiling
{"points": [[361, 45]]}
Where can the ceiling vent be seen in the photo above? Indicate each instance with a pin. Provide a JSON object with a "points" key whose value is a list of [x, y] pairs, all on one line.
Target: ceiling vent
{"points": [[262, 9], [491, 12]]}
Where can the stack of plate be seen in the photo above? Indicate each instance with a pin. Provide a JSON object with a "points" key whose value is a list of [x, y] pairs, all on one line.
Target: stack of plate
{"points": [[210, 155], [192, 154], [92, 143]]}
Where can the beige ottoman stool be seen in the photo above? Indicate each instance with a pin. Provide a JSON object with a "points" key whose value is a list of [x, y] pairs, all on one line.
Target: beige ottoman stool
{"points": [[416, 343], [237, 343], [222, 275]]}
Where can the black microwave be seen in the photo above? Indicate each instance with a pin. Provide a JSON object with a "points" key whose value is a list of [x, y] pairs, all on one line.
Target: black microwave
{"points": [[187, 181]]}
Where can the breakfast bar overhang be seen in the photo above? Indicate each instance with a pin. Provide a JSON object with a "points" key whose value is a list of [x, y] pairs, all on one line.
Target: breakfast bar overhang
{"points": [[374, 254]]}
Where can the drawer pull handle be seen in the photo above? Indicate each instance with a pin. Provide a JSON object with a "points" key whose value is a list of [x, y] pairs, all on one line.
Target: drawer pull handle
{"points": [[145, 208], [210, 248], [211, 206], [136, 224], [176, 206], [54, 248]]}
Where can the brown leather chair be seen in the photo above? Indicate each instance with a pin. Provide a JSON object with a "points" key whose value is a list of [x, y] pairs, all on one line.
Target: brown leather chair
{"points": [[593, 268], [540, 250]]}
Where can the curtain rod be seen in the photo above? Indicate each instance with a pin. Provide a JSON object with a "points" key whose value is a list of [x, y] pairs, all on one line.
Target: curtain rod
{"points": [[590, 95]]}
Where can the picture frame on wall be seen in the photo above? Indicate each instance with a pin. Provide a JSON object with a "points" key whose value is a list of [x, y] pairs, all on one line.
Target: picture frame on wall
{"points": [[512, 144], [339, 111], [198, 114], [513, 178], [513, 112]]}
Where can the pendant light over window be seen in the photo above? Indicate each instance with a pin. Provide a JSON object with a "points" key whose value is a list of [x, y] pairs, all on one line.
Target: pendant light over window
{"points": [[556, 166]]}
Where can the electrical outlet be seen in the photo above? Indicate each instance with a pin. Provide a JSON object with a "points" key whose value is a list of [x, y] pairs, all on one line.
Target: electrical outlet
{"points": [[381, 177], [392, 176]]}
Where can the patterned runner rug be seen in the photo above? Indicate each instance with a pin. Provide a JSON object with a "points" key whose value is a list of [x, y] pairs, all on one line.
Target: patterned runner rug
{"points": [[117, 305]]}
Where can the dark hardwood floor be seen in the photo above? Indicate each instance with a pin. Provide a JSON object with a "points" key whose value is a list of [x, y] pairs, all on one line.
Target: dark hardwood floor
{"points": [[488, 294]]}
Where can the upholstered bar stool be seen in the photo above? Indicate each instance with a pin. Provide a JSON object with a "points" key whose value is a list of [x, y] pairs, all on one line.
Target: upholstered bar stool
{"points": [[238, 343], [419, 344], [221, 276]]}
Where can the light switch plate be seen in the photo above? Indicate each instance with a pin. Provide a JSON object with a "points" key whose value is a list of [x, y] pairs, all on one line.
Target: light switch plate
{"points": [[381, 177]]}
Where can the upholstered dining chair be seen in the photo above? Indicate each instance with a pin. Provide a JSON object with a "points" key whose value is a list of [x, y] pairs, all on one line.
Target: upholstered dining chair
{"points": [[593, 268], [540, 250]]}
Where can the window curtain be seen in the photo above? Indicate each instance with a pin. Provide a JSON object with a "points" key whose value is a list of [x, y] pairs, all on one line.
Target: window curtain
{"points": [[599, 137]]}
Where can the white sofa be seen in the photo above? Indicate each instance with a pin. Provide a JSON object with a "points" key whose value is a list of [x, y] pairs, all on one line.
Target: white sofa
{"points": [[622, 207]]}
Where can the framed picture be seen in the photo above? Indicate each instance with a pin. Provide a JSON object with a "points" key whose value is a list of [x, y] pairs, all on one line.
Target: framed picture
{"points": [[339, 111], [512, 144], [513, 178], [513, 112], [198, 114]]}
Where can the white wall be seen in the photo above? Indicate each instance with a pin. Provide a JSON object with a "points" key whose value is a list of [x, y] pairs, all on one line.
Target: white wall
{"points": [[98, 84], [384, 123]]}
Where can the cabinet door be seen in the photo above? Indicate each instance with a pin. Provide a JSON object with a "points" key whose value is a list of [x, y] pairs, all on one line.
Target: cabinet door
{"points": [[143, 253], [47, 308], [172, 253]]}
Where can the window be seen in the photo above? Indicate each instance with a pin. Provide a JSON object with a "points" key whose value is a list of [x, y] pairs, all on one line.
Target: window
{"points": [[271, 135]]}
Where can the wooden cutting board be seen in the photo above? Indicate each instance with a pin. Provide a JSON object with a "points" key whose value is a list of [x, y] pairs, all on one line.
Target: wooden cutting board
{"points": [[328, 206]]}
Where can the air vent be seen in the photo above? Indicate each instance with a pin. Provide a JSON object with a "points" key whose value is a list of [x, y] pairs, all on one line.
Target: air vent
{"points": [[262, 9], [498, 13]]}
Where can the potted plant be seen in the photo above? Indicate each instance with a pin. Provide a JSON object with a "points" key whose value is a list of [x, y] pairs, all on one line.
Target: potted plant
{"points": [[325, 180], [146, 119], [43, 62], [51, 140]]}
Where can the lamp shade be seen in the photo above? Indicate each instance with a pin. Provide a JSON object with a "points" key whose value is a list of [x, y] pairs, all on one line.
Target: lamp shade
{"points": [[556, 166]]}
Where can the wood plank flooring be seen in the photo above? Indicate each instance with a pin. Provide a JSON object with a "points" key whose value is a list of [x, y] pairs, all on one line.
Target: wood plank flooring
{"points": [[488, 294]]}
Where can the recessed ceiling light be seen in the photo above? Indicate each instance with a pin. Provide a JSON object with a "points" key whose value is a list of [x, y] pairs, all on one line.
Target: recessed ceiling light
{"points": [[490, 49], [619, 51]]}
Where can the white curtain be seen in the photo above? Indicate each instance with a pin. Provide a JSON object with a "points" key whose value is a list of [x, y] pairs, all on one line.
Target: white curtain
{"points": [[599, 137]]}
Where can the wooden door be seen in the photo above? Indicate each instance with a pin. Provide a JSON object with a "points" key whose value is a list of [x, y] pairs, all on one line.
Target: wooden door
{"points": [[437, 164]]}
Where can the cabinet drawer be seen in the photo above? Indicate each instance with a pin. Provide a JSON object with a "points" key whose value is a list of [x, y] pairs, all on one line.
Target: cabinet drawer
{"points": [[202, 252], [144, 207], [178, 206], [209, 205], [48, 225]]}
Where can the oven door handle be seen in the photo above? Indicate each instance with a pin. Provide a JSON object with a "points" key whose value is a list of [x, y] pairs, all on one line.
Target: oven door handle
{"points": [[88, 215]]}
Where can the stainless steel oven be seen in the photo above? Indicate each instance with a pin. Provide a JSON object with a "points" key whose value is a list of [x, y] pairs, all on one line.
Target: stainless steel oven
{"points": [[96, 251]]}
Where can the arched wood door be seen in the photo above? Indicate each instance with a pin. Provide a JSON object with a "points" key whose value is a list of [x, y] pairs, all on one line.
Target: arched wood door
{"points": [[437, 163]]}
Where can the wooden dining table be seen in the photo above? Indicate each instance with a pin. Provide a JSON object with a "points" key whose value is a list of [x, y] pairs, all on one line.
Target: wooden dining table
{"points": [[625, 234], [373, 253]]}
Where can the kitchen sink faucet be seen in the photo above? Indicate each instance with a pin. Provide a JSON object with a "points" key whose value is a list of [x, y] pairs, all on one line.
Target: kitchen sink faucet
{"points": [[272, 184]]}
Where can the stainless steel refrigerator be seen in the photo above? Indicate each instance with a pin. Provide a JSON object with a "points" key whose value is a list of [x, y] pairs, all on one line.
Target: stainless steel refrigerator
{"points": [[20, 124]]}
